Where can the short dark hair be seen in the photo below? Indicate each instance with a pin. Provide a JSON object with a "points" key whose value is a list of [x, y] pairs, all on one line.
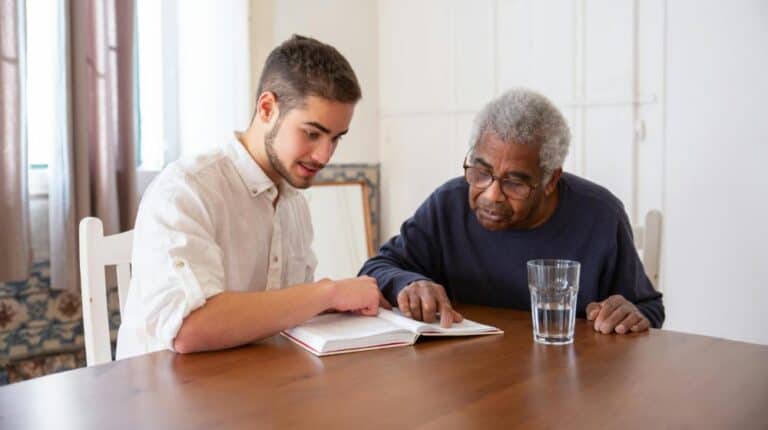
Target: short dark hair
{"points": [[302, 67]]}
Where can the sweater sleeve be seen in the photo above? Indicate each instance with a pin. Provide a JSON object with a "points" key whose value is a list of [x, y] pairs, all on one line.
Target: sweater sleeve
{"points": [[629, 278], [412, 255]]}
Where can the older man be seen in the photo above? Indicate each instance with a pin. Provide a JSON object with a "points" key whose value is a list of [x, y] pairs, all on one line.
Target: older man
{"points": [[471, 238]]}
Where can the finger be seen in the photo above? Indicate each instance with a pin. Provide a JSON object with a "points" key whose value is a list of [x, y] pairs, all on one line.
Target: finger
{"points": [[384, 303], [404, 304], [610, 323], [628, 322], [447, 314], [370, 310], [606, 310], [415, 303], [592, 310], [643, 325], [428, 307]]}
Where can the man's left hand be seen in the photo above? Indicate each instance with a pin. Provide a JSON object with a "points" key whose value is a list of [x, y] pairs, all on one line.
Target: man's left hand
{"points": [[617, 314]]}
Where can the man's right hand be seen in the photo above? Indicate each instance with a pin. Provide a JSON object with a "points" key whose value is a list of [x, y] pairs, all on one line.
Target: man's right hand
{"points": [[423, 300], [359, 295]]}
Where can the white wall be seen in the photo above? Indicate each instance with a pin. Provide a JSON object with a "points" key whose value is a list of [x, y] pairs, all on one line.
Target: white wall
{"points": [[716, 232], [350, 26]]}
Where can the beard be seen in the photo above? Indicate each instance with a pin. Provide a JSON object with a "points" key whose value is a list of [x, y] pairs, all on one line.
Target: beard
{"points": [[276, 163]]}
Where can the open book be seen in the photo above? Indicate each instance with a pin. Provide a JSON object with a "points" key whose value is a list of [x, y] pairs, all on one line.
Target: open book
{"points": [[345, 332]]}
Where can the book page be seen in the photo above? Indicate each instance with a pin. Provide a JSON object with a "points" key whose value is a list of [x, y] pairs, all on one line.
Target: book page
{"points": [[464, 328], [341, 326]]}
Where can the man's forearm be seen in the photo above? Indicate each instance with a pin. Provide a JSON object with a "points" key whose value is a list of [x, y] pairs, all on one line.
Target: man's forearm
{"points": [[231, 318]]}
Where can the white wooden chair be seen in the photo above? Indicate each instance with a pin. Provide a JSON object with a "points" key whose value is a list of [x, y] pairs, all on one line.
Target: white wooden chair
{"points": [[96, 252], [648, 243]]}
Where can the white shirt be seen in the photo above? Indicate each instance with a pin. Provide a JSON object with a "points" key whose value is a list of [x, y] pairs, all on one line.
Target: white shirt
{"points": [[207, 225]]}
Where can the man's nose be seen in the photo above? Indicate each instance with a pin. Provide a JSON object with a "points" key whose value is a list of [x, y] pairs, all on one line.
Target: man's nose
{"points": [[494, 193], [323, 152]]}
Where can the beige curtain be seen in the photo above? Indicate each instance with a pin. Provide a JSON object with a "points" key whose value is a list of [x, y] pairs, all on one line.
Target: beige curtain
{"points": [[15, 247], [94, 172]]}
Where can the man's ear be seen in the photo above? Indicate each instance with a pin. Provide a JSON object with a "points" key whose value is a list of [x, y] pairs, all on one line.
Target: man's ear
{"points": [[552, 184], [267, 109]]}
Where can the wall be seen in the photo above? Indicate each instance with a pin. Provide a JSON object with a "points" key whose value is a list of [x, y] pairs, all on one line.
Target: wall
{"points": [[715, 234]]}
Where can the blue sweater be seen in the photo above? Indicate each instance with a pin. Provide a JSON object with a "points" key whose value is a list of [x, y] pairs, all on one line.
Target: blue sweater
{"points": [[445, 243]]}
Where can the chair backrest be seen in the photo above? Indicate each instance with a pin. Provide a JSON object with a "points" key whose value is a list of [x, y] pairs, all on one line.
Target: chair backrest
{"points": [[96, 253], [648, 242]]}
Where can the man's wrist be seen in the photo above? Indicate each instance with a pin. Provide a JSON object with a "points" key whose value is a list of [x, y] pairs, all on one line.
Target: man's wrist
{"points": [[412, 280], [327, 288]]}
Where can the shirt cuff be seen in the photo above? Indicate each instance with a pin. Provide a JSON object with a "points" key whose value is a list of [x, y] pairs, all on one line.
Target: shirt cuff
{"points": [[182, 295]]}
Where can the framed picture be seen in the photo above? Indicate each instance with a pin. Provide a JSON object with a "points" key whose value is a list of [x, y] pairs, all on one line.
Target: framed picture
{"points": [[341, 220]]}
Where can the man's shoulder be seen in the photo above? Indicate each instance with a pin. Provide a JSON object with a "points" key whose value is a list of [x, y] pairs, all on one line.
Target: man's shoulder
{"points": [[451, 189], [197, 177], [592, 196], [199, 164], [449, 195], [193, 173]]}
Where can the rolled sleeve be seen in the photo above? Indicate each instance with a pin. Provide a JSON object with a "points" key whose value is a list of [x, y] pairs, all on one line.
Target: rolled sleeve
{"points": [[177, 263]]}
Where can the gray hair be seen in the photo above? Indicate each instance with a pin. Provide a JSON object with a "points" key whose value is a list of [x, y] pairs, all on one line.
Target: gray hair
{"points": [[526, 117]]}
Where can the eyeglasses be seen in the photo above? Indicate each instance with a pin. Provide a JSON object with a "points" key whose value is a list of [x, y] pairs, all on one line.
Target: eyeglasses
{"points": [[511, 188]]}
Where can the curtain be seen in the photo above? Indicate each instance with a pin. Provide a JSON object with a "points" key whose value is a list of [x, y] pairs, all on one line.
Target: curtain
{"points": [[93, 173], [15, 247]]}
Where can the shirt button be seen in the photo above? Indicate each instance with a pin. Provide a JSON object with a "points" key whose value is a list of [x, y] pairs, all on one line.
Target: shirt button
{"points": [[275, 259], [179, 264]]}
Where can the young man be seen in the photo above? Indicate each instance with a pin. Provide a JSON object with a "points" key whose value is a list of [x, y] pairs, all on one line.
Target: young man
{"points": [[218, 238]]}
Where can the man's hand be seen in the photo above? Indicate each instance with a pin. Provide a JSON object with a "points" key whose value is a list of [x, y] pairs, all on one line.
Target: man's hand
{"points": [[617, 314], [359, 295], [423, 300]]}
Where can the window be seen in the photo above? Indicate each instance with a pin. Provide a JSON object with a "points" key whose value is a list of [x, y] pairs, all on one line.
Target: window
{"points": [[42, 26], [191, 71], [45, 87], [193, 76], [149, 33]]}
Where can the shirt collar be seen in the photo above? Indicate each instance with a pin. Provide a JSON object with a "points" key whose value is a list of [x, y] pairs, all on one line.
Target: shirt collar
{"points": [[251, 173]]}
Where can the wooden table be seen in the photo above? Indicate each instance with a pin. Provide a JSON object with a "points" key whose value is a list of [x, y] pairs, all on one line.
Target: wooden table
{"points": [[657, 379]]}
